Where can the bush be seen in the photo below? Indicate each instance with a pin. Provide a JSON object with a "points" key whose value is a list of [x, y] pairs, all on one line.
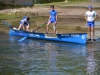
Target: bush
{"points": [[77, 0], [48, 1], [57, 0], [3, 6]]}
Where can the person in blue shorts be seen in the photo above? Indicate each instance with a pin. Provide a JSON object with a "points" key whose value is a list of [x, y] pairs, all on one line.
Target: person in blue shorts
{"points": [[52, 19], [90, 17], [24, 24]]}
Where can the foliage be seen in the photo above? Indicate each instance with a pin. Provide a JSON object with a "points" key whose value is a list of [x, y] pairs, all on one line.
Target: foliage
{"points": [[47, 1], [78, 0], [57, 0], [3, 6]]}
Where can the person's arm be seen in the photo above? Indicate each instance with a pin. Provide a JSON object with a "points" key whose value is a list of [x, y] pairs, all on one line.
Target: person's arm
{"points": [[86, 17], [27, 27], [20, 26], [56, 18], [49, 18], [28, 24], [96, 15]]}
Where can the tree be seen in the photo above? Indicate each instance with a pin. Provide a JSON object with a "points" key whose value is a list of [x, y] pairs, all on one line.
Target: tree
{"points": [[13, 1]]}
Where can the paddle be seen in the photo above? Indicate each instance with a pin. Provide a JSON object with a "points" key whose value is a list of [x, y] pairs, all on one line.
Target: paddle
{"points": [[32, 32], [6, 23]]}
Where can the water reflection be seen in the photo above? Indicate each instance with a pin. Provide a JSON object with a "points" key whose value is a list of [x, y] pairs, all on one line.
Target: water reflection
{"points": [[51, 58], [36, 57], [52, 54], [91, 61]]}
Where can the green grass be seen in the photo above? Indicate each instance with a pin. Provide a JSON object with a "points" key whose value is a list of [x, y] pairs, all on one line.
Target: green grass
{"points": [[19, 17], [14, 19], [72, 4], [36, 21], [8, 16]]}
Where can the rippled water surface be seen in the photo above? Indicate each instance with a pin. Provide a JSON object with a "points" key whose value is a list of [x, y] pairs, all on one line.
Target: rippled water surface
{"points": [[36, 57]]}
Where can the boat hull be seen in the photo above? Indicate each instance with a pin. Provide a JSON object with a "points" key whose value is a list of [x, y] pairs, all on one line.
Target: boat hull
{"points": [[70, 37]]}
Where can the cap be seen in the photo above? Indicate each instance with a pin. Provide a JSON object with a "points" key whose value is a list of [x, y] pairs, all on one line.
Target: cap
{"points": [[89, 6]]}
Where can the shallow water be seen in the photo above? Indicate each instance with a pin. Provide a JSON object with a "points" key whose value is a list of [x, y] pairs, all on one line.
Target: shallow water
{"points": [[36, 57]]}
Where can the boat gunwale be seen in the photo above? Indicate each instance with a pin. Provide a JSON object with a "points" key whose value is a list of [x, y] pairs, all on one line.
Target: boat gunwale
{"points": [[45, 33]]}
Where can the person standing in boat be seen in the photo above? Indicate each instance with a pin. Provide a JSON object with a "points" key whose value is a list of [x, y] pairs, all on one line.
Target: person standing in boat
{"points": [[90, 17], [52, 19], [24, 24]]}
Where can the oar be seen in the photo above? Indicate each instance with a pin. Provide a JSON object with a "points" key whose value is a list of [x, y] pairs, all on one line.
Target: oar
{"points": [[6, 23], [32, 32]]}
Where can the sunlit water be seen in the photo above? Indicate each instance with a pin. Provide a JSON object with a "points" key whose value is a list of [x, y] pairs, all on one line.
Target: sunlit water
{"points": [[36, 57]]}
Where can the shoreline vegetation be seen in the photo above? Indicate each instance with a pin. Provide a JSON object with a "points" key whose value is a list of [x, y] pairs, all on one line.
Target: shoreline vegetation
{"points": [[70, 16]]}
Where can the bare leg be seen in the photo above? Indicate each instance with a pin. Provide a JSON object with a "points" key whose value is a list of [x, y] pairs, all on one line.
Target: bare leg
{"points": [[23, 27], [93, 33], [48, 26], [89, 32], [54, 27], [27, 28]]}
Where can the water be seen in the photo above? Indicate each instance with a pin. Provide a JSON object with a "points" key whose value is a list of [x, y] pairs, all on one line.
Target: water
{"points": [[36, 57]]}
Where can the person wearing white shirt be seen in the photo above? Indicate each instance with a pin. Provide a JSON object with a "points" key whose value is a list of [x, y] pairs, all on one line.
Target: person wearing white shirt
{"points": [[90, 17]]}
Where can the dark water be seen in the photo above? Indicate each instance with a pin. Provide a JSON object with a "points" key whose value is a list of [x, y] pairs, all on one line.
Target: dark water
{"points": [[35, 57]]}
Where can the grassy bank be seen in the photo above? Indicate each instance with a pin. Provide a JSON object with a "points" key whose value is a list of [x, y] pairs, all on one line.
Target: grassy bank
{"points": [[71, 4], [14, 20], [36, 21], [66, 23]]}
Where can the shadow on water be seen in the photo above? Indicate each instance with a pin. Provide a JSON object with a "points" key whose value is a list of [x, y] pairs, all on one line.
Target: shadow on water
{"points": [[36, 57]]}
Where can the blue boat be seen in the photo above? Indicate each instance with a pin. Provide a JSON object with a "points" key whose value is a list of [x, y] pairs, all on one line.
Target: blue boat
{"points": [[69, 37]]}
